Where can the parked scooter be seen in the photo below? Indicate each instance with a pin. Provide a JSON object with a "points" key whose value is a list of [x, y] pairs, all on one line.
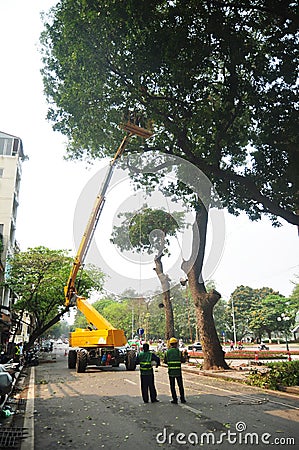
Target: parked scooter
{"points": [[7, 372], [31, 358], [11, 367], [263, 347]]}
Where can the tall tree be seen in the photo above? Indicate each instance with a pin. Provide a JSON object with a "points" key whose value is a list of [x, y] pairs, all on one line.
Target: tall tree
{"points": [[149, 230], [37, 278], [246, 302], [217, 78], [294, 297], [265, 318]]}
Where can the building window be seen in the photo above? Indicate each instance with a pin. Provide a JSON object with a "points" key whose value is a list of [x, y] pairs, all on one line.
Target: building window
{"points": [[1, 172], [6, 145], [15, 147], [1, 239]]}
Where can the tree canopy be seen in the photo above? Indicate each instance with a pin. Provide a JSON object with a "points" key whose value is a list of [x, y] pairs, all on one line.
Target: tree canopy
{"points": [[217, 78], [256, 311], [37, 278], [147, 230]]}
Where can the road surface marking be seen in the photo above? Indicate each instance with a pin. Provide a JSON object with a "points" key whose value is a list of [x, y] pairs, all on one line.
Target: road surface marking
{"points": [[195, 411], [129, 381], [283, 404], [187, 388]]}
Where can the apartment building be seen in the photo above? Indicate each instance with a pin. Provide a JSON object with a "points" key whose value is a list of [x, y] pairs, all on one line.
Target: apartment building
{"points": [[11, 158]]}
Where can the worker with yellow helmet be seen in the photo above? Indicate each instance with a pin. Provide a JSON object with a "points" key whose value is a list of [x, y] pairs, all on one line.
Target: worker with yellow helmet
{"points": [[173, 358]]}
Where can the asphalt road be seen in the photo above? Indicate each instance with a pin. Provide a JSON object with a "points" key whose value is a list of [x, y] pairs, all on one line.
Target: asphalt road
{"points": [[104, 409]]}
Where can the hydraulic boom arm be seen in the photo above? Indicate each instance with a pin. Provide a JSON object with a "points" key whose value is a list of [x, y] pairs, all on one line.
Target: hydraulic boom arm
{"points": [[70, 292]]}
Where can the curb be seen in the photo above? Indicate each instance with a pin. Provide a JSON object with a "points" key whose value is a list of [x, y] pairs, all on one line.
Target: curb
{"points": [[228, 375], [28, 442], [289, 389]]}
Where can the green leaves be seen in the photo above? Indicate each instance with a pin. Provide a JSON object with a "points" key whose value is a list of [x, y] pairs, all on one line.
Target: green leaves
{"points": [[279, 374], [147, 230], [38, 276], [217, 80], [256, 310]]}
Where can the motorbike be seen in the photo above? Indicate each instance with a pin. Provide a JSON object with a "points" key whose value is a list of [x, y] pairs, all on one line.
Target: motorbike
{"points": [[7, 379], [31, 358], [263, 347]]}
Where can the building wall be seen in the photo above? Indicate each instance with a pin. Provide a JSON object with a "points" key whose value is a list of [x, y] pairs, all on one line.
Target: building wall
{"points": [[11, 157], [9, 199]]}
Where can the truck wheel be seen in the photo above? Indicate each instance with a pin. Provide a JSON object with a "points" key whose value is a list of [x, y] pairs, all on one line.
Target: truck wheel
{"points": [[72, 358], [81, 362], [131, 360]]}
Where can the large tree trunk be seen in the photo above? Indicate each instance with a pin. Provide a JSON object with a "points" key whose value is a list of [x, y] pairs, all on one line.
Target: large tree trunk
{"points": [[204, 301], [39, 331], [164, 280]]}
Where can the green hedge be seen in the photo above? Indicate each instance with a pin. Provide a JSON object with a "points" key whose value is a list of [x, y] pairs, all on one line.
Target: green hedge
{"points": [[266, 354], [284, 373], [249, 354]]}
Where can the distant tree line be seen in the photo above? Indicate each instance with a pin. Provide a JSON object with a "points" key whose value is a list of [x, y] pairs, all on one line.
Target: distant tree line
{"points": [[255, 310]]}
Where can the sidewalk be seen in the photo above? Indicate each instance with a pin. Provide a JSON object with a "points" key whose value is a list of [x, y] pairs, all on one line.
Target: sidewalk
{"points": [[12, 428], [17, 429]]}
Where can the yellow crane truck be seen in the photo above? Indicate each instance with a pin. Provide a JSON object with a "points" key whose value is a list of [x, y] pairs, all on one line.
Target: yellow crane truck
{"points": [[100, 343]]}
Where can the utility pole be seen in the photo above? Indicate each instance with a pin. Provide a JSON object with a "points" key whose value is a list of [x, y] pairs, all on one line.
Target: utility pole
{"points": [[234, 324]]}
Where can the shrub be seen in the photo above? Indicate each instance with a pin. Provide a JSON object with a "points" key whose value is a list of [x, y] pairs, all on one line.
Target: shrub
{"points": [[249, 354], [284, 373]]}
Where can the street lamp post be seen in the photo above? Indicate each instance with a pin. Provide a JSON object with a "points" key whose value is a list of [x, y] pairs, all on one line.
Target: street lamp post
{"points": [[234, 324], [132, 320], [184, 283], [284, 320], [147, 317]]}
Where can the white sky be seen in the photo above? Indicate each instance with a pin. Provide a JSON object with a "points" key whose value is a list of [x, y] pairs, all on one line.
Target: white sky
{"points": [[256, 254]]}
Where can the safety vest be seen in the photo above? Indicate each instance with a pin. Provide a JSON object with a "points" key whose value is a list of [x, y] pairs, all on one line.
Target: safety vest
{"points": [[173, 359], [145, 360]]}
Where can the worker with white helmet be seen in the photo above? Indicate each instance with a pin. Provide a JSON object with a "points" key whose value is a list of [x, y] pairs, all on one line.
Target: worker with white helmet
{"points": [[173, 358]]}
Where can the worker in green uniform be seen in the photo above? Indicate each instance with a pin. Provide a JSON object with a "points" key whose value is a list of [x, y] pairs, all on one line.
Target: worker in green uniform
{"points": [[173, 358], [144, 359]]}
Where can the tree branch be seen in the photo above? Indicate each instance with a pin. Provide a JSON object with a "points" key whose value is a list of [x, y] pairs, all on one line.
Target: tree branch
{"points": [[270, 206], [37, 333]]}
